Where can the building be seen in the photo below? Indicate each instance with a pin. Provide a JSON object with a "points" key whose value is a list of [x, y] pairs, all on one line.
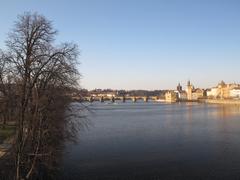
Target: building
{"points": [[179, 87], [181, 94], [171, 96], [224, 91], [197, 94], [189, 90], [213, 93], [235, 93], [192, 93]]}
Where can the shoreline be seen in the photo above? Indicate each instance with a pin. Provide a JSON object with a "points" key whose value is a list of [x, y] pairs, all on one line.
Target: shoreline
{"points": [[221, 101], [209, 101], [5, 146]]}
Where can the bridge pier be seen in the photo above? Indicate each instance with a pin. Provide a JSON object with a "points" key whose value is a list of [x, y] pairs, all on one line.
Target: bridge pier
{"points": [[134, 99], [113, 99], [145, 99], [123, 99], [90, 99], [101, 99]]}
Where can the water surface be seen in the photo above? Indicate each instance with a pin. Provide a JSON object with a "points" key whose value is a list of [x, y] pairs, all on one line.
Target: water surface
{"points": [[156, 141]]}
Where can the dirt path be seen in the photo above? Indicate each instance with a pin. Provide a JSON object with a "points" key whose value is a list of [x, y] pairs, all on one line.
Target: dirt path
{"points": [[5, 146]]}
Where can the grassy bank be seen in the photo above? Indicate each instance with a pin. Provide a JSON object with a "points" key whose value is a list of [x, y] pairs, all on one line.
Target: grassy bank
{"points": [[6, 132]]}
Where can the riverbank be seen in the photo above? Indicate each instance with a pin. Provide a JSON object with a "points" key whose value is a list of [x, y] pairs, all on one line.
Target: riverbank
{"points": [[221, 101], [4, 147], [6, 139]]}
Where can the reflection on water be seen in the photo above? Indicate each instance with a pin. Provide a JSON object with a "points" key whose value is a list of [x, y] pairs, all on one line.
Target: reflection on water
{"points": [[224, 111], [156, 141]]}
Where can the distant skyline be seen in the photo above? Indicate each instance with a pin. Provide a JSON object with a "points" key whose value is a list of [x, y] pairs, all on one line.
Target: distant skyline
{"points": [[143, 44]]}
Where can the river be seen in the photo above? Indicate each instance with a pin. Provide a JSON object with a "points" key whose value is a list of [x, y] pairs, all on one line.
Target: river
{"points": [[156, 141]]}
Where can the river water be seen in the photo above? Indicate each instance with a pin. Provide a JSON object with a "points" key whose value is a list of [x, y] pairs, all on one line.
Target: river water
{"points": [[156, 141]]}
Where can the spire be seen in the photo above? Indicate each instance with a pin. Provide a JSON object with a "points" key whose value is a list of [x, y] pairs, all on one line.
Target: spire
{"points": [[179, 87], [222, 82]]}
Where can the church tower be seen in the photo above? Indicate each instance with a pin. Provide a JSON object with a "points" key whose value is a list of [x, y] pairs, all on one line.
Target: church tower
{"points": [[179, 87], [189, 90]]}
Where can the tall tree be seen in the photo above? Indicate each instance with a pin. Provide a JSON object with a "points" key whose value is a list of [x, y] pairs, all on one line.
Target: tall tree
{"points": [[43, 72]]}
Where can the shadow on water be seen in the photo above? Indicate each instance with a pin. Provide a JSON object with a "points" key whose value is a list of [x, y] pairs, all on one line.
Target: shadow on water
{"points": [[76, 121]]}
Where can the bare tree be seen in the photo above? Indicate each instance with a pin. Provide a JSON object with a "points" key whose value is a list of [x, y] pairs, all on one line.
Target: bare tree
{"points": [[42, 72], [7, 101]]}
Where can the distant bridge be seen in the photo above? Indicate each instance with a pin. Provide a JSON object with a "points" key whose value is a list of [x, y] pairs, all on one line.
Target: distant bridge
{"points": [[115, 98]]}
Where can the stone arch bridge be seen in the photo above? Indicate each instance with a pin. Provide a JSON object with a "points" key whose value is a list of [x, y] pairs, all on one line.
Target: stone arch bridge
{"points": [[115, 98]]}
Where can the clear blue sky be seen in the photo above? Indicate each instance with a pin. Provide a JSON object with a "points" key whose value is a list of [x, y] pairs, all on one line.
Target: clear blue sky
{"points": [[143, 44]]}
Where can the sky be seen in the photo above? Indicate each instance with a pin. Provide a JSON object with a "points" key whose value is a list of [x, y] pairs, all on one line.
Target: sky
{"points": [[143, 44]]}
